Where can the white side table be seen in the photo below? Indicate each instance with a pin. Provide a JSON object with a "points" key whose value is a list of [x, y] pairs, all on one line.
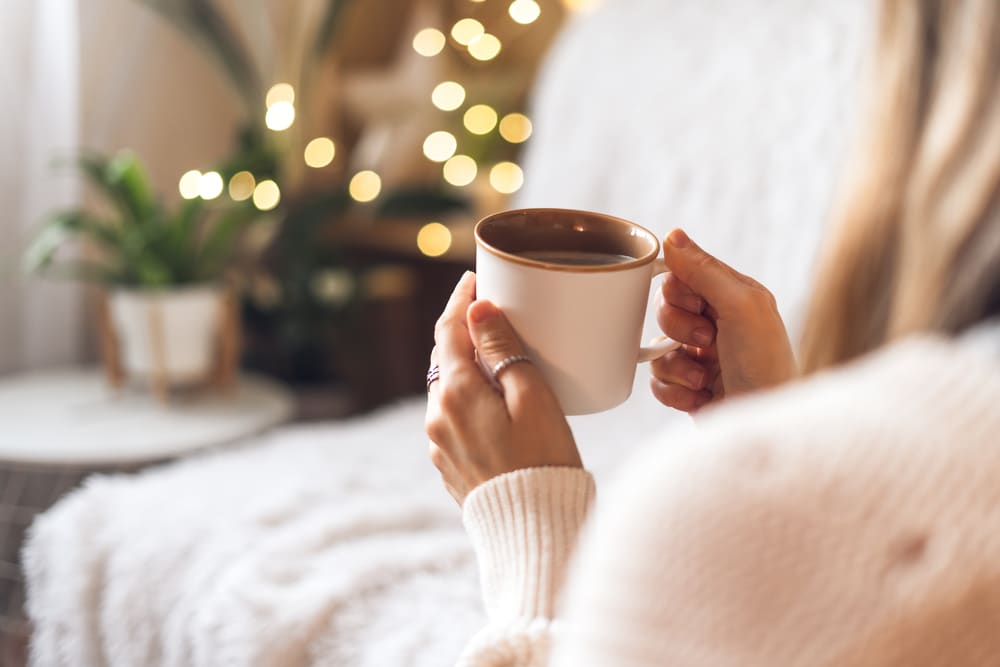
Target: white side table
{"points": [[56, 427]]}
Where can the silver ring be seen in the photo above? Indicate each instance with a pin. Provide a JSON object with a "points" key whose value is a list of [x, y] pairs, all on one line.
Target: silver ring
{"points": [[433, 374], [504, 364]]}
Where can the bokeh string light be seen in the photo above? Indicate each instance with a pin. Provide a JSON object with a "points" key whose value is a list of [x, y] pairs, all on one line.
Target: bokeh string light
{"points": [[515, 128], [241, 186], [210, 185], [487, 47], [266, 195], [524, 11], [190, 184], [448, 95], [365, 186], [467, 31], [434, 239], [460, 170], [440, 145], [480, 119], [279, 92], [429, 42], [319, 152], [506, 178]]}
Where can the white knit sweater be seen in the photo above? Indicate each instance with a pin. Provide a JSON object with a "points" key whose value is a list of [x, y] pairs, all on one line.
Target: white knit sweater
{"points": [[853, 519]]}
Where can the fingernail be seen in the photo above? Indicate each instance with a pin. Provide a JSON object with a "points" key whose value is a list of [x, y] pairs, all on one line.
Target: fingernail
{"points": [[678, 239], [702, 337], [482, 311], [696, 379]]}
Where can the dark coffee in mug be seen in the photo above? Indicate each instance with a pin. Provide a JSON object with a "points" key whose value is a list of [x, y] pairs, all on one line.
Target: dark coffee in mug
{"points": [[575, 257]]}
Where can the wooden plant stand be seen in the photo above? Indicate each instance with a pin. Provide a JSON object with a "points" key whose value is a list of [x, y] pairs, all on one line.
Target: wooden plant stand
{"points": [[222, 374]]}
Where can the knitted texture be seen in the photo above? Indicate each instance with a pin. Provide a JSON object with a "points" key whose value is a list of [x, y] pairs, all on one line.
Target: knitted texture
{"points": [[853, 519]]}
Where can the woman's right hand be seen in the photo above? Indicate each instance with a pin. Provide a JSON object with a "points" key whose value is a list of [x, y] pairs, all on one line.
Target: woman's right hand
{"points": [[733, 338]]}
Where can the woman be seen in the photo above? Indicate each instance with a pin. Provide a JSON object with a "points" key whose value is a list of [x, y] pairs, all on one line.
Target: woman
{"points": [[850, 516]]}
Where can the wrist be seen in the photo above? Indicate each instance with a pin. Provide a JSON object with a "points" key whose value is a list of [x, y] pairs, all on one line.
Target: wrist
{"points": [[524, 527]]}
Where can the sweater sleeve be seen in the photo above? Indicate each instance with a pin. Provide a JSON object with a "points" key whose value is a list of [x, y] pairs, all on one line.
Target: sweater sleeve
{"points": [[524, 527]]}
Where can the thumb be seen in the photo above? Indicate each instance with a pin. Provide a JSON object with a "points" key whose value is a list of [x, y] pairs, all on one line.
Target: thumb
{"points": [[495, 341], [716, 282]]}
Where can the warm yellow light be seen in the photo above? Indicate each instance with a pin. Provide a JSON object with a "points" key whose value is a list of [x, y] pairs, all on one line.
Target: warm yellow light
{"points": [[280, 116], [266, 195], [506, 177], [485, 48], [460, 170], [515, 128], [428, 42], [241, 186], [434, 239], [365, 186], [319, 152], [448, 95], [280, 92], [190, 184], [210, 186], [467, 31], [439, 146], [524, 11], [480, 119], [580, 5]]}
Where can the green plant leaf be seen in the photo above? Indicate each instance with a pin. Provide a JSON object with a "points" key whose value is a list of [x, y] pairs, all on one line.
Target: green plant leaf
{"points": [[123, 181], [218, 243], [83, 271], [329, 27], [64, 227], [200, 21]]}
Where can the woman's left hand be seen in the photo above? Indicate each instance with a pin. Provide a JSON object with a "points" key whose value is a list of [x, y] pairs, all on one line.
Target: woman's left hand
{"points": [[476, 431]]}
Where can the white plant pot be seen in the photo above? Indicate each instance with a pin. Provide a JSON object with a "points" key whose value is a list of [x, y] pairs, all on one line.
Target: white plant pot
{"points": [[177, 329]]}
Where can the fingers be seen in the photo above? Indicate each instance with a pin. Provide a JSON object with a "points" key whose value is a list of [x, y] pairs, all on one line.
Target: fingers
{"points": [[705, 275], [684, 326], [676, 293], [495, 340], [454, 349], [676, 367], [678, 397]]}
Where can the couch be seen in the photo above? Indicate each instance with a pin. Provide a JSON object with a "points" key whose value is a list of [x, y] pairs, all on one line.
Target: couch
{"points": [[333, 543]]}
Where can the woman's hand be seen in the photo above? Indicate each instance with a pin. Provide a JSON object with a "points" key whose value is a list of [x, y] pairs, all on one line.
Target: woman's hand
{"points": [[733, 338], [476, 431]]}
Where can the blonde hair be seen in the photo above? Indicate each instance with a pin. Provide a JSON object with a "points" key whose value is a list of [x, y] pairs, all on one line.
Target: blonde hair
{"points": [[916, 237]]}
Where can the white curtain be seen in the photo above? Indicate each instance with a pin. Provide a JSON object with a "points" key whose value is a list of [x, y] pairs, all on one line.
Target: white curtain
{"points": [[40, 322]]}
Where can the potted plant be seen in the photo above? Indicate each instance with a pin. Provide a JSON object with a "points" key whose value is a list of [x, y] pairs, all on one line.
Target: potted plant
{"points": [[162, 271]]}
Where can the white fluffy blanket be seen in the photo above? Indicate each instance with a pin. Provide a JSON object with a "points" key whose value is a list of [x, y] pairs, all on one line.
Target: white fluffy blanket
{"points": [[334, 544]]}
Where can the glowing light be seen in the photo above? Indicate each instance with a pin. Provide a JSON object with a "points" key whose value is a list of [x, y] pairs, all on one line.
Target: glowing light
{"points": [[190, 184], [365, 186], [515, 128], [210, 186], [524, 11], [466, 31], [580, 5], [480, 119], [485, 48], [434, 239], [460, 170], [448, 95], [266, 195], [319, 152], [506, 178], [280, 116], [241, 186], [429, 42], [280, 92], [439, 146]]}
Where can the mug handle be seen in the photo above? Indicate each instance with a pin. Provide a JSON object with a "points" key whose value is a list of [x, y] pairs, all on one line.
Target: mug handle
{"points": [[658, 346]]}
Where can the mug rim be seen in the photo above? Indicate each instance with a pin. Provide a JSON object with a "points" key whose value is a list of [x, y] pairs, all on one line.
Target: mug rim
{"points": [[575, 268]]}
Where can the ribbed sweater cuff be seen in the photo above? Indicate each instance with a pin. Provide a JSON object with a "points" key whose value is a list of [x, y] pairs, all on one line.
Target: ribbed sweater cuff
{"points": [[524, 527]]}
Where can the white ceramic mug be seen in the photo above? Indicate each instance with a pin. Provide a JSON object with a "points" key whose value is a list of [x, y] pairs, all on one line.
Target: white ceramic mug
{"points": [[581, 323]]}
